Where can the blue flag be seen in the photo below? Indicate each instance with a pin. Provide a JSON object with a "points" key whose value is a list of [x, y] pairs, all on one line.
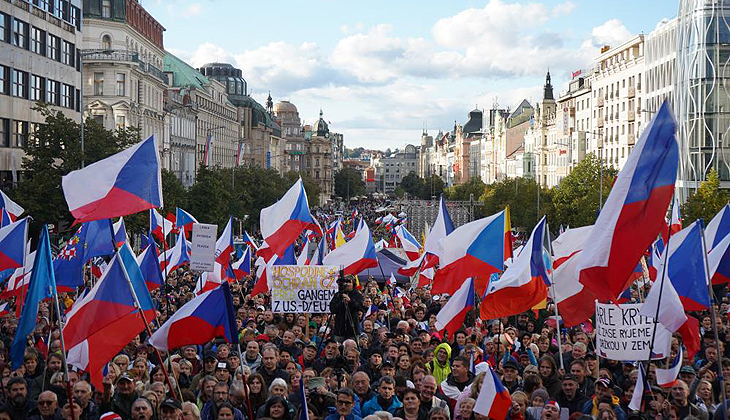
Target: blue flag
{"points": [[42, 286], [92, 239], [303, 411]]}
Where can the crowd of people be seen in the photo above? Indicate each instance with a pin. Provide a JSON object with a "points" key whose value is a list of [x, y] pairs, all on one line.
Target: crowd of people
{"points": [[392, 363]]}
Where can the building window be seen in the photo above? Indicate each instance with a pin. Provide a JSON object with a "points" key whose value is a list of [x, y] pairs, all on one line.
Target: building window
{"points": [[20, 33], [66, 96], [121, 84], [106, 42], [67, 53], [20, 84], [51, 91], [106, 8], [4, 80], [37, 41], [121, 122], [20, 133], [54, 47], [4, 132], [36, 88], [4, 27], [98, 84]]}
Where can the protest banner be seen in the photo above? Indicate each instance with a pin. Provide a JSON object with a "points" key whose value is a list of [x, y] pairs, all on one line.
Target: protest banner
{"points": [[203, 248], [302, 289], [623, 334]]}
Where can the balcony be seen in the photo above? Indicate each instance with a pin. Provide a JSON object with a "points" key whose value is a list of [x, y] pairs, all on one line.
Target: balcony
{"points": [[600, 101], [632, 92], [631, 115], [110, 55]]}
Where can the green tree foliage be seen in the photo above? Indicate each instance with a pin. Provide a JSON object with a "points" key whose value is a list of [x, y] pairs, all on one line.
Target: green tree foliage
{"points": [[210, 197], [349, 183], [54, 150], [310, 187], [520, 194], [424, 189], [475, 187], [576, 198], [706, 201]]}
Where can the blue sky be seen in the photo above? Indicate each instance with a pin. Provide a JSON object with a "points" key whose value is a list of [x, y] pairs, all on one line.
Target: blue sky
{"points": [[381, 70]]}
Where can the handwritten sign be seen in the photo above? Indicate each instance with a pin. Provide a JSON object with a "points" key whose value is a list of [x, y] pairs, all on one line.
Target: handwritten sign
{"points": [[302, 289], [623, 334]]}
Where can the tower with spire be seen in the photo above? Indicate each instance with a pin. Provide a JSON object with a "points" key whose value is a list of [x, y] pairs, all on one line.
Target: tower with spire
{"points": [[547, 106]]}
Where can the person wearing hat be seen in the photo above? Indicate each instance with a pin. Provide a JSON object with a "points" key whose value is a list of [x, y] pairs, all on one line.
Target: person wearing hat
{"points": [[209, 364], [308, 356], [570, 396], [604, 391], [223, 372], [550, 411], [511, 375], [170, 409], [124, 396], [345, 305]]}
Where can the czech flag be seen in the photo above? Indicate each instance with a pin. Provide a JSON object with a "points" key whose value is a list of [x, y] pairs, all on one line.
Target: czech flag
{"points": [[642, 384], [224, 245], [667, 378], [319, 253], [13, 238], [676, 223], [4, 309], [177, 256], [242, 267], [184, 220], [474, 249], [410, 244], [654, 260], [282, 222], [204, 318], [718, 261], [683, 261], [18, 281], [107, 319], [356, 255], [303, 258], [249, 241], [10, 206], [122, 184], [718, 228], [451, 316], [159, 226], [442, 227], [7, 218], [263, 268], [524, 284], [120, 232], [149, 264], [208, 149], [635, 209], [494, 400]]}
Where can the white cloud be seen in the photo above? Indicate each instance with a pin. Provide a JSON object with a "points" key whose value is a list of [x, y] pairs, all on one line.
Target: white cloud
{"points": [[612, 33], [208, 53]]}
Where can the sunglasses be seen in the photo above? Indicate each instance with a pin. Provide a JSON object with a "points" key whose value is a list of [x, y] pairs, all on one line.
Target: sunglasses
{"points": [[45, 402]]}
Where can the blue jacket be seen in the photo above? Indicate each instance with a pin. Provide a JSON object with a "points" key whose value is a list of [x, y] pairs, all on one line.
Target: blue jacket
{"points": [[373, 405]]}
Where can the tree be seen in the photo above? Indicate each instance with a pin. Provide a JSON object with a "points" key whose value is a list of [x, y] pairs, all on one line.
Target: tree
{"points": [[576, 198], [54, 150], [433, 187], [310, 187], [349, 183], [474, 187], [210, 197], [706, 201], [520, 194], [413, 185]]}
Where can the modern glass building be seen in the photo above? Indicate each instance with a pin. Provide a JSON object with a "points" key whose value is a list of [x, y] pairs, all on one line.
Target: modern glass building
{"points": [[701, 94]]}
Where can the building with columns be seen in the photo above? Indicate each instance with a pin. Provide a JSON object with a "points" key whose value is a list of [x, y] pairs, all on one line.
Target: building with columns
{"points": [[122, 60]]}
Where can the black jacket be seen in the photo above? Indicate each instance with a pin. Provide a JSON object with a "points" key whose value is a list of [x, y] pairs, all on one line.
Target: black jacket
{"points": [[575, 405], [269, 377], [346, 326], [22, 412]]}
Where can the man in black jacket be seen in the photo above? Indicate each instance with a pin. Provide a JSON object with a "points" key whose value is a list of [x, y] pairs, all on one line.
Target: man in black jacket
{"points": [[570, 396], [345, 305], [269, 368], [18, 404]]}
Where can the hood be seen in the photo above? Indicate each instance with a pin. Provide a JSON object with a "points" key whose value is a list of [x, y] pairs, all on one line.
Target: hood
{"points": [[444, 346]]}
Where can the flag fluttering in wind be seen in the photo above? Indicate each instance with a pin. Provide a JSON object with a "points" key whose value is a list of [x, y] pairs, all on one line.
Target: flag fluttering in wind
{"points": [[442, 227], [122, 184], [10, 206], [282, 222], [356, 255], [451, 316]]}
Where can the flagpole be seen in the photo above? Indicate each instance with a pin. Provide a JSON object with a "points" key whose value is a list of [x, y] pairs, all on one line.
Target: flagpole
{"points": [[720, 376], [552, 288], [139, 307], [66, 378]]}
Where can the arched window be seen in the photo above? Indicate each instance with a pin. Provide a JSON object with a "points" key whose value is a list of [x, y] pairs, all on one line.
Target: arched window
{"points": [[106, 42]]}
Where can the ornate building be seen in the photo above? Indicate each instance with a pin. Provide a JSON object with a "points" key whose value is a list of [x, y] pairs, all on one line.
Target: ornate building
{"points": [[287, 116], [319, 158], [123, 55]]}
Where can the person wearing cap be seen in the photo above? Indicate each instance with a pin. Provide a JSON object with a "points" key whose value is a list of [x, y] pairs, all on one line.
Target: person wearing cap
{"points": [[170, 409], [550, 411], [511, 375], [345, 305], [604, 390], [570, 396], [124, 396], [687, 374], [223, 372], [308, 356], [209, 364]]}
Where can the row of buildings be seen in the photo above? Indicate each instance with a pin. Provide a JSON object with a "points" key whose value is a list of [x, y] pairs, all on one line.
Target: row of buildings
{"points": [[604, 110], [105, 60]]}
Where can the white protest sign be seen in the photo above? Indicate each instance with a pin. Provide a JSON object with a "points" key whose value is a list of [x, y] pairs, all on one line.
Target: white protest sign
{"points": [[302, 289], [202, 255], [623, 334]]}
